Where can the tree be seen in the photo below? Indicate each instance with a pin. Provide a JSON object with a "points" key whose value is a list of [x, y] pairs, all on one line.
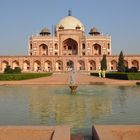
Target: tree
{"points": [[103, 63], [121, 65]]}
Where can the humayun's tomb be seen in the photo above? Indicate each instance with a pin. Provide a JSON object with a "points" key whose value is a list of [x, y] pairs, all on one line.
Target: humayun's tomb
{"points": [[68, 47]]}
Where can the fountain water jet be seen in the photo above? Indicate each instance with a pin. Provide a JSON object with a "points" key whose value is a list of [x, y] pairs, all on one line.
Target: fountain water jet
{"points": [[72, 82]]}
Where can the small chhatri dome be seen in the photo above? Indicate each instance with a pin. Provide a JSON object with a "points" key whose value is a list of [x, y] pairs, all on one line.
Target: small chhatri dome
{"points": [[94, 31], [70, 22], [45, 31]]}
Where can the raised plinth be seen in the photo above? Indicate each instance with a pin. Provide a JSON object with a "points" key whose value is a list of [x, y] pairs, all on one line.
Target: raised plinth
{"points": [[116, 132], [34, 133]]}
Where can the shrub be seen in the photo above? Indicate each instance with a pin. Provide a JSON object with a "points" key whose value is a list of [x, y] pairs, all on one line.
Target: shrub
{"points": [[17, 70], [94, 74], [132, 69], [121, 75], [8, 69], [117, 75]]}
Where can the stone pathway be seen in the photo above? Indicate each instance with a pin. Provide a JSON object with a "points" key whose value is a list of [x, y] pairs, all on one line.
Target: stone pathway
{"points": [[62, 79]]}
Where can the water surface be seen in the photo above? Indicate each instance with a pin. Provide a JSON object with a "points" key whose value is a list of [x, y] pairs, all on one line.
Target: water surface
{"points": [[54, 105]]}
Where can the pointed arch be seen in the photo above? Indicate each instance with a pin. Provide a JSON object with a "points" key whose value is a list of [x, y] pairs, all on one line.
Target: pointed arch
{"points": [[48, 65], [126, 63], [15, 64], [81, 65], [92, 65], [96, 49], [59, 65], [70, 47], [70, 65], [43, 49], [37, 65], [113, 65], [4, 64], [26, 65], [135, 64]]}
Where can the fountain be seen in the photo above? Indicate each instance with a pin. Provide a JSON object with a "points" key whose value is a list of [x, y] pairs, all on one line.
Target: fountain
{"points": [[72, 82]]}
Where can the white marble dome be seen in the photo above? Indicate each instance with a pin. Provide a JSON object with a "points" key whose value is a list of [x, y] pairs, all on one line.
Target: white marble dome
{"points": [[70, 22]]}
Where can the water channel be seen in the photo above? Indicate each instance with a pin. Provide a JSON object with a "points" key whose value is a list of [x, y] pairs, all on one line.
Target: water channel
{"points": [[55, 105]]}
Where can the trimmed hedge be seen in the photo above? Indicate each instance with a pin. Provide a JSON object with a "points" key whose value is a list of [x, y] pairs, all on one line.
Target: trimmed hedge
{"points": [[22, 76], [121, 75]]}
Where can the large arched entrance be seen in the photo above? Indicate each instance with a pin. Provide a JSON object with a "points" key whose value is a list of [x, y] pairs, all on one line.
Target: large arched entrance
{"points": [[70, 65], [70, 47]]}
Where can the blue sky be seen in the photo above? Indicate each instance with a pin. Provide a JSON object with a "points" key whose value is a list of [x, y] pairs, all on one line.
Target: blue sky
{"points": [[19, 19]]}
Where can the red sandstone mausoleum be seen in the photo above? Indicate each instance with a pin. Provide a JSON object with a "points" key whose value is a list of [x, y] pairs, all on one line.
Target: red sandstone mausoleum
{"points": [[68, 48]]}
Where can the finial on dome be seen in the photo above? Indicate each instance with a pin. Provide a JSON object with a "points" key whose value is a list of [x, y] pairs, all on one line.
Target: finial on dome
{"points": [[69, 13]]}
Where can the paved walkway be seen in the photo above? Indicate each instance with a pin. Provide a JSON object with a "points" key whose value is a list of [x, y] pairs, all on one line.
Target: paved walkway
{"points": [[62, 78]]}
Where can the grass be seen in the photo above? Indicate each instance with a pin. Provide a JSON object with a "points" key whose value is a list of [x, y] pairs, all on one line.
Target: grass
{"points": [[22, 76]]}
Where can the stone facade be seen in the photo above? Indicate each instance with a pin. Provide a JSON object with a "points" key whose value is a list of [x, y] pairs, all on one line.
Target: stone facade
{"points": [[68, 48]]}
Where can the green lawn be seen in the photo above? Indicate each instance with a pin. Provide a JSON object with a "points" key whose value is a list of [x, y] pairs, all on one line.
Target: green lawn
{"points": [[22, 76]]}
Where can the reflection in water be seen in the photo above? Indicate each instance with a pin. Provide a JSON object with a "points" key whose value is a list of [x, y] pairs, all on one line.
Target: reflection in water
{"points": [[54, 105], [60, 107]]}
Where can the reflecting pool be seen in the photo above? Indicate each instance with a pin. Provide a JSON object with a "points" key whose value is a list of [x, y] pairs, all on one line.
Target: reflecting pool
{"points": [[55, 105]]}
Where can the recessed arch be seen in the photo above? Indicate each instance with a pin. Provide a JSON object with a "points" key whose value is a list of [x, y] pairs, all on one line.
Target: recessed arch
{"points": [[4, 65], [59, 65], [48, 65], [70, 47], [37, 65], [70, 65], [26, 65], [113, 65], [135, 64], [15, 64], [126, 63], [92, 65], [81, 65], [96, 49], [43, 49], [56, 46]]}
